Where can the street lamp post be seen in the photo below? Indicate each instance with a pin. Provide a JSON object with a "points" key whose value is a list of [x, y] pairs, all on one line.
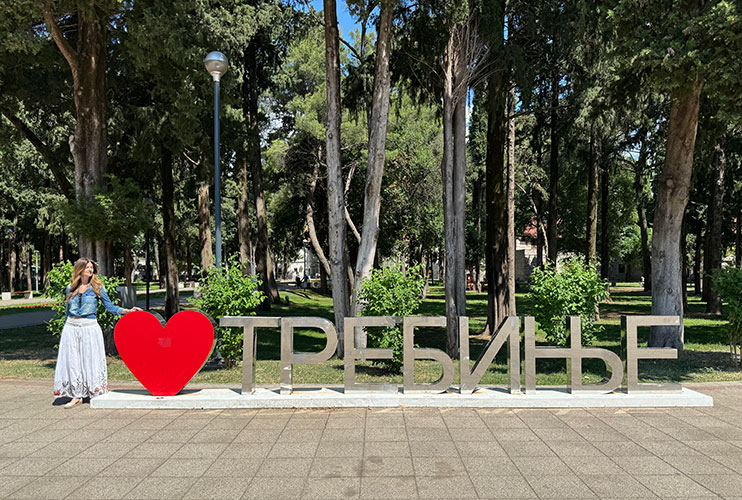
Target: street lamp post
{"points": [[216, 64]]}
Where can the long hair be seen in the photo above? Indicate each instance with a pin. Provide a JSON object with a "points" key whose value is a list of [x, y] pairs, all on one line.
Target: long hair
{"points": [[95, 282]]}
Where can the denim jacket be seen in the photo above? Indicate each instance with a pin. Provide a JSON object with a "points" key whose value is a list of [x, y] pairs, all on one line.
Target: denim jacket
{"points": [[85, 305]]}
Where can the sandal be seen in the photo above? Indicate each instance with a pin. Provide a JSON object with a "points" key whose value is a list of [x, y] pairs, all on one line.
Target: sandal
{"points": [[73, 403]]}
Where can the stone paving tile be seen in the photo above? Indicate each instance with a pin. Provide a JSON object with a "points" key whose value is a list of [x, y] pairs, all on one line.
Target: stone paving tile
{"points": [[502, 487], [153, 450], [519, 434], [725, 485], [343, 434], [340, 449], [336, 467], [428, 434], [445, 487], [151, 488], [9, 484], [264, 488], [284, 467], [246, 450], [527, 449], [107, 488], [290, 449], [133, 467], [592, 465], [388, 466], [257, 436], [385, 434], [81, 467], [388, 448], [403, 488], [345, 422], [106, 450], [60, 450], [477, 434], [49, 487], [697, 465], [200, 450], [19, 450], [480, 449], [675, 486], [559, 486], [616, 486], [330, 488], [433, 449], [183, 467], [621, 449], [547, 466], [228, 467], [31, 466], [224, 487], [490, 466], [439, 466], [645, 466]]}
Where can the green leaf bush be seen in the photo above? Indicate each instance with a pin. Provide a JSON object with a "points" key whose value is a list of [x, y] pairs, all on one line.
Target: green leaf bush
{"points": [[390, 291], [728, 282], [575, 289], [229, 292], [59, 277]]}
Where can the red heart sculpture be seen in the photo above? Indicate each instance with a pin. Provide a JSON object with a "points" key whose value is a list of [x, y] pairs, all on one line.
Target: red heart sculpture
{"points": [[164, 359]]}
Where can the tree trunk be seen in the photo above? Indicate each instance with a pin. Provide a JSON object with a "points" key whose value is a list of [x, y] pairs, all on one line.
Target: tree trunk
{"points": [[204, 218], [683, 261], [697, 260], [511, 311], [243, 218], [641, 209], [88, 145], [168, 230], [448, 203], [161, 262], [313, 238], [264, 260], [715, 225], [28, 265], [738, 241], [460, 86], [605, 256], [376, 155], [553, 222], [672, 198], [127, 264], [591, 251], [497, 207], [335, 201]]}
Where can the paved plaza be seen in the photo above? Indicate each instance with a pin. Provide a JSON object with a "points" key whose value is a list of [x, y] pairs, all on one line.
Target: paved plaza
{"points": [[50, 452]]}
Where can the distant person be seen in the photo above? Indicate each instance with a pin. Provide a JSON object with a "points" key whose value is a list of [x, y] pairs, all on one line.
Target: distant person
{"points": [[81, 362]]}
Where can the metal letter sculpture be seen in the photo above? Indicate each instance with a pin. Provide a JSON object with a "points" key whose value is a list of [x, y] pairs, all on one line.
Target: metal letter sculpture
{"points": [[509, 331]]}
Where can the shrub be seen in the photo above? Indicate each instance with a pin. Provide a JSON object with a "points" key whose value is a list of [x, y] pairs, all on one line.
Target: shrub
{"points": [[575, 290], [59, 277], [229, 292], [391, 292], [728, 282]]}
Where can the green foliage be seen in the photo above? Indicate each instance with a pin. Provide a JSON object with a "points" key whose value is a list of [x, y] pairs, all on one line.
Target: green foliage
{"points": [[59, 277], [229, 291], [114, 214], [728, 282], [575, 290], [390, 291]]}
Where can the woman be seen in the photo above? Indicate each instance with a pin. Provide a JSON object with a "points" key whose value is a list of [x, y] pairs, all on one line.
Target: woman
{"points": [[81, 364]]}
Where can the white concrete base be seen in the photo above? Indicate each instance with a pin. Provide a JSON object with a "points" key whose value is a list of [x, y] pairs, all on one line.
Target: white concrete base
{"points": [[330, 397]]}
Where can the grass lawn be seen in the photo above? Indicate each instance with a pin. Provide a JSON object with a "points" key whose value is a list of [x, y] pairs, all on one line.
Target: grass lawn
{"points": [[30, 352]]}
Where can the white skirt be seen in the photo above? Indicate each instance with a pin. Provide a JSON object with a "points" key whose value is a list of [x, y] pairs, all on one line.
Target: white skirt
{"points": [[81, 363]]}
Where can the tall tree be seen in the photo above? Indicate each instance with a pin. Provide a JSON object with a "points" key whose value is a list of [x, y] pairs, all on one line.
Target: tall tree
{"points": [[335, 188], [376, 152], [86, 56]]}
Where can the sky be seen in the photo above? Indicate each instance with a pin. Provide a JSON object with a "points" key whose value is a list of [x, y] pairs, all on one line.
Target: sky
{"points": [[346, 21]]}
